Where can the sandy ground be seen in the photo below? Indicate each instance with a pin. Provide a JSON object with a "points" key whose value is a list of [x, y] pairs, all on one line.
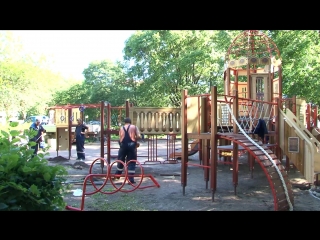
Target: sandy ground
{"points": [[160, 188]]}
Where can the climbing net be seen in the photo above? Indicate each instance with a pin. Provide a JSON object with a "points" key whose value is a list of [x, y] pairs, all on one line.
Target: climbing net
{"points": [[249, 113]]}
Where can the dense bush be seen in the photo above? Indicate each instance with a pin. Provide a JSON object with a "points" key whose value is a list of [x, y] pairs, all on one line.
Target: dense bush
{"points": [[28, 183]]}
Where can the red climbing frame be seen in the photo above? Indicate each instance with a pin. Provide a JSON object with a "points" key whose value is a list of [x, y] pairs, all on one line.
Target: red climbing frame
{"points": [[108, 176]]}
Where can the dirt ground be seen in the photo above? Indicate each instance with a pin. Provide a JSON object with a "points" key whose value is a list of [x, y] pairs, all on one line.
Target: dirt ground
{"points": [[161, 190]]}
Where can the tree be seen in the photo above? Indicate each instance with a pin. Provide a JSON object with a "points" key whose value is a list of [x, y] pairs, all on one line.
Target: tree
{"points": [[104, 81], [26, 82], [166, 62], [99, 77], [299, 51]]}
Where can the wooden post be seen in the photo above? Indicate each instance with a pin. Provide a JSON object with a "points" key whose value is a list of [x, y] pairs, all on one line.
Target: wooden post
{"points": [[109, 135], [69, 130], [294, 106], [315, 116], [127, 108], [277, 130], [227, 82], [270, 85], [308, 113], [213, 141], [236, 73], [102, 134], [249, 93], [280, 80], [184, 140], [200, 129], [204, 142], [235, 168]]}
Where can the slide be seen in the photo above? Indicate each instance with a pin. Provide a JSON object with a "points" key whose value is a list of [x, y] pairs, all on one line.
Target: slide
{"points": [[193, 150]]}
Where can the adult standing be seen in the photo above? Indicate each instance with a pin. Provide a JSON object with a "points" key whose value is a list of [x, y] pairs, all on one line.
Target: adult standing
{"points": [[79, 136], [36, 126], [128, 137]]}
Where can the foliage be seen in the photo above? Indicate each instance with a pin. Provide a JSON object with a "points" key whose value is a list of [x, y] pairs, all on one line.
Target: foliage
{"points": [[28, 183], [26, 82], [166, 62], [18, 126], [300, 51], [157, 66], [104, 81]]}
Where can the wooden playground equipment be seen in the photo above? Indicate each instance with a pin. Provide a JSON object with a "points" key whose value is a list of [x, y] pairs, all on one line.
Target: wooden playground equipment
{"points": [[249, 108], [251, 116], [152, 122], [64, 117]]}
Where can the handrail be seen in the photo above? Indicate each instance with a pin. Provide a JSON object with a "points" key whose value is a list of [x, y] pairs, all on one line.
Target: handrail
{"points": [[311, 142]]}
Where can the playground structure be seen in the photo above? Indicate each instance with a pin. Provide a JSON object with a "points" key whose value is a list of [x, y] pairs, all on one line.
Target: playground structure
{"points": [[249, 108], [250, 116], [63, 119]]}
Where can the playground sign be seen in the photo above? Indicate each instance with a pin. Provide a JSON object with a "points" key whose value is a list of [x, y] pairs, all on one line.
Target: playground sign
{"points": [[293, 144]]}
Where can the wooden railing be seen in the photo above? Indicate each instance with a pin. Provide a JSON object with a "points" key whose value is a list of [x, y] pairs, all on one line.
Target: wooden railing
{"points": [[156, 120]]}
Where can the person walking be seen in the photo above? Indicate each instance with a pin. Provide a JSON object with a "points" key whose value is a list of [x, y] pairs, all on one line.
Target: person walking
{"points": [[128, 137], [36, 126], [79, 137]]}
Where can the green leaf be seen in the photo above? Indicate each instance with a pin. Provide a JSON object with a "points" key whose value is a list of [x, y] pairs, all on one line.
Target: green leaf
{"points": [[14, 124], [46, 176], [5, 134], [14, 133], [27, 169], [16, 186], [15, 140], [34, 189], [14, 158]]}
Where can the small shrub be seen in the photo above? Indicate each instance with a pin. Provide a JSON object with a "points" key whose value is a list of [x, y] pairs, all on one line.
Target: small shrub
{"points": [[28, 183]]}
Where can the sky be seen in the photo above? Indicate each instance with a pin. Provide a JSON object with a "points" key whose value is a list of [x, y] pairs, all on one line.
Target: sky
{"points": [[71, 51]]}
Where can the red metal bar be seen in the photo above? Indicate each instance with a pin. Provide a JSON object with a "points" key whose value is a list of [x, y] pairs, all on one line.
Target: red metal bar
{"points": [[84, 194], [171, 146], [152, 149], [109, 176]]}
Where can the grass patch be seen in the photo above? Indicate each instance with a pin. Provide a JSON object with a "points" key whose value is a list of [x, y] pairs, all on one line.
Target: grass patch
{"points": [[125, 202]]}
